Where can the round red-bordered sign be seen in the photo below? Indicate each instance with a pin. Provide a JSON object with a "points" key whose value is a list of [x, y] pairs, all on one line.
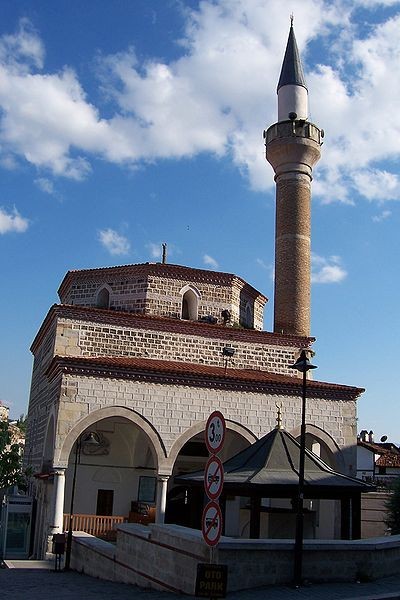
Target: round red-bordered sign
{"points": [[213, 477], [211, 523], [215, 432]]}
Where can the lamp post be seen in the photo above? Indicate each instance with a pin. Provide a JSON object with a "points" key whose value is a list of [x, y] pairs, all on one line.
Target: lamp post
{"points": [[303, 365], [90, 439]]}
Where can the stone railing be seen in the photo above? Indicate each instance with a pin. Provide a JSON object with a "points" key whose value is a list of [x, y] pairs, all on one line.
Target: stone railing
{"points": [[303, 129]]}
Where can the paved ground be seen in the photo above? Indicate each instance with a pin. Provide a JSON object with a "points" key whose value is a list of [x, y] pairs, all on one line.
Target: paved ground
{"points": [[33, 580]]}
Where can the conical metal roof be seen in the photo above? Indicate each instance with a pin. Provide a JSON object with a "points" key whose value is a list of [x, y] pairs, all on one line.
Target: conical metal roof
{"points": [[292, 70], [272, 462]]}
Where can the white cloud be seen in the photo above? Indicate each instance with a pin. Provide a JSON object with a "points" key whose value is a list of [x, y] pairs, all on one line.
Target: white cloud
{"points": [[12, 222], [115, 243], [45, 185], [378, 184], [22, 49], [216, 97], [267, 267], [209, 261], [385, 214], [326, 270], [155, 250]]}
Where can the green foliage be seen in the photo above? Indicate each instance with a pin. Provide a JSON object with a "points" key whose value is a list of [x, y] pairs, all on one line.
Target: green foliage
{"points": [[21, 423], [11, 471], [393, 509]]}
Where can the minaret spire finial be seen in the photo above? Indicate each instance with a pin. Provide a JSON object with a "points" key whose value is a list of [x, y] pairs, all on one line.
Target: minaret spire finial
{"points": [[278, 417], [291, 19]]}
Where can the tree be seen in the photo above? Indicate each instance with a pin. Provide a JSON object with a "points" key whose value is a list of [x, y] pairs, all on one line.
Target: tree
{"points": [[393, 509], [11, 471]]}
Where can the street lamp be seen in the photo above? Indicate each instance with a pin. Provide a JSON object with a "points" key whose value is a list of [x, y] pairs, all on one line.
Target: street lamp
{"points": [[303, 365], [87, 439]]}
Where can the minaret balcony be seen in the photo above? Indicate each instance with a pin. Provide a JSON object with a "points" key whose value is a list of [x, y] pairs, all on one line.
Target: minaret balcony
{"points": [[293, 128]]}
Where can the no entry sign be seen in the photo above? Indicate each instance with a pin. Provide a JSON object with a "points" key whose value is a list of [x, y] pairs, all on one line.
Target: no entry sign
{"points": [[211, 523], [213, 477], [215, 432]]}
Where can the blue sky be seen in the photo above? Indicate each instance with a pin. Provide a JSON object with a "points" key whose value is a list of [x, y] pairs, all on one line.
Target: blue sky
{"points": [[125, 124]]}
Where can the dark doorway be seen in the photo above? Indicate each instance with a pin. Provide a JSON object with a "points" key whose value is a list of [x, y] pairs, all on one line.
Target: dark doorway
{"points": [[105, 501]]}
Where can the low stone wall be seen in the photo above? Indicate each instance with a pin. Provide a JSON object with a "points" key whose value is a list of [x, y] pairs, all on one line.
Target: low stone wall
{"points": [[165, 557]]}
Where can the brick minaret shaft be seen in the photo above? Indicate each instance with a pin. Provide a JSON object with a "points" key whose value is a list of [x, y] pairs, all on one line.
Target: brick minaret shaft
{"points": [[292, 148]]}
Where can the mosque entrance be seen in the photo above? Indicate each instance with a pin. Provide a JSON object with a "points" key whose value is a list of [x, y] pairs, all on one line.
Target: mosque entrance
{"points": [[185, 503], [111, 471]]}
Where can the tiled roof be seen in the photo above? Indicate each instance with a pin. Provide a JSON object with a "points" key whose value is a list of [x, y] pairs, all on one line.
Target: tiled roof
{"points": [[389, 460], [160, 270], [376, 448], [185, 373], [179, 326]]}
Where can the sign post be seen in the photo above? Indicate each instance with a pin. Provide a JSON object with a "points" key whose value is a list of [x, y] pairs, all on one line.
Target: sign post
{"points": [[211, 579]]}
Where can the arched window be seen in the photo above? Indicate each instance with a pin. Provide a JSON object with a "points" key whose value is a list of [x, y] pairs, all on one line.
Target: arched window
{"points": [[190, 303], [249, 316], [103, 298]]}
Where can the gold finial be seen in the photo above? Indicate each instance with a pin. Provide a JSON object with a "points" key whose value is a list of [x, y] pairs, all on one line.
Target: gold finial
{"points": [[291, 19], [278, 418]]}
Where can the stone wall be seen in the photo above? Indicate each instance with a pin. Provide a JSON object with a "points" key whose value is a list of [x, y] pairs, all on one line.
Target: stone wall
{"points": [[85, 338], [152, 556], [172, 409], [373, 514], [155, 294]]}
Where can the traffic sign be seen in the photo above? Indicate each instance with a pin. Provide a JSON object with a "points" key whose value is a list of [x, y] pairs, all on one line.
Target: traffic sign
{"points": [[211, 523], [211, 580], [213, 477], [215, 432]]}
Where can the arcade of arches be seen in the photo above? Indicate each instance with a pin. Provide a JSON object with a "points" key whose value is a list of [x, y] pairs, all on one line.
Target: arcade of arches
{"points": [[125, 469]]}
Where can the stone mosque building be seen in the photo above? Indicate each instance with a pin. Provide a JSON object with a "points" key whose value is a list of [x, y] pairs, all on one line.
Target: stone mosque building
{"points": [[138, 356]]}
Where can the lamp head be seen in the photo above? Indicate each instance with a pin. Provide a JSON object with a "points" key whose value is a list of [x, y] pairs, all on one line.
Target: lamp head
{"points": [[302, 364]]}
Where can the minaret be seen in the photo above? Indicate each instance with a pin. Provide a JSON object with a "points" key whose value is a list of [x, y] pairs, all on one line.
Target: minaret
{"points": [[292, 147]]}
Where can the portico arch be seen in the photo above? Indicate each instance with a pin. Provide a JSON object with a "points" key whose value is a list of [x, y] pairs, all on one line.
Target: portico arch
{"points": [[198, 428], [332, 450], [103, 413], [189, 453]]}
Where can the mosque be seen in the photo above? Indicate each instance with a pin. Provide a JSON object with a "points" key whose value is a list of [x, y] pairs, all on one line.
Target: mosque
{"points": [[136, 357]]}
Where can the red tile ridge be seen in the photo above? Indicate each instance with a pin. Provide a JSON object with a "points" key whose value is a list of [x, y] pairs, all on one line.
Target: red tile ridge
{"points": [[132, 368], [161, 270], [157, 323]]}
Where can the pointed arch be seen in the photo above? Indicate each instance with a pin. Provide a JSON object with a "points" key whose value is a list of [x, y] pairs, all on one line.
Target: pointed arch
{"points": [[190, 303], [103, 296]]}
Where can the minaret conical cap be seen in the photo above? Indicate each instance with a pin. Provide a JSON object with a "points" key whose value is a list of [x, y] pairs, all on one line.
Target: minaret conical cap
{"points": [[292, 70]]}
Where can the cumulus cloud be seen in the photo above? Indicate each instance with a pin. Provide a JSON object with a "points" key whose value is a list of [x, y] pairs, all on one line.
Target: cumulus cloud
{"points": [[209, 261], [115, 243], [45, 185], [12, 222], [216, 96], [385, 214], [327, 270], [155, 250], [269, 267]]}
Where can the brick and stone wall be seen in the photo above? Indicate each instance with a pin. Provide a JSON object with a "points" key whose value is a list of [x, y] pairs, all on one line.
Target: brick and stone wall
{"points": [[172, 409], [85, 338], [140, 290]]}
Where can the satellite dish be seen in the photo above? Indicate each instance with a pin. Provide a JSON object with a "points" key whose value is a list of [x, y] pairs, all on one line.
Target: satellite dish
{"points": [[384, 438]]}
